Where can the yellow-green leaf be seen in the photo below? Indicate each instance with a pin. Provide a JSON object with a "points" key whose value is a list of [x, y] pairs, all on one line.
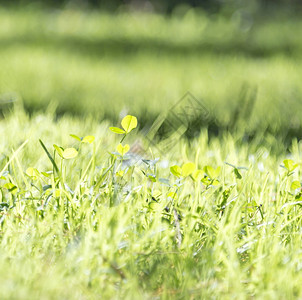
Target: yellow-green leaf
{"points": [[88, 139], [10, 187], [117, 130], [295, 185], [211, 172], [215, 182], [75, 137], [172, 195], [152, 177], [120, 173], [129, 123], [237, 173], [70, 153], [155, 206], [290, 165], [251, 207], [175, 170], [32, 172], [198, 175], [47, 174], [187, 169], [206, 181], [122, 150], [57, 193], [60, 150]]}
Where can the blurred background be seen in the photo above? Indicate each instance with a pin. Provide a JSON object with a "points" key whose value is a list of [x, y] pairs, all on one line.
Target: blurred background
{"points": [[242, 59]]}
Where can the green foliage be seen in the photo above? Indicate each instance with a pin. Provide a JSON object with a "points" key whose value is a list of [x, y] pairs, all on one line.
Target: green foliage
{"points": [[186, 169], [75, 137], [83, 218], [98, 63], [69, 153], [88, 139], [295, 185], [129, 123], [290, 165], [112, 227], [59, 150], [198, 175], [211, 172], [122, 150], [117, 130], [32, 172], [176, 170]]}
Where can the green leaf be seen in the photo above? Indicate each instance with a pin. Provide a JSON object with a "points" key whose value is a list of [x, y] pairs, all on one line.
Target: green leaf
{"points": [[122, 150], [295, 185], [120, 173], [129, 123], [187, 169], [155, 206], [88, 139], [251, 207], [172, 195], [3, 205], [164, 181], [237, 173], [198, 175], [32, 172], [176, 170], [211, 172], [290, 165], [10, 187], [117, 130], [59, 150], [46, 187], [47, 174], [57, 193], [217, 171], [70, 153], [152, 177], [215, 182], [206, 181], [75, 137]]}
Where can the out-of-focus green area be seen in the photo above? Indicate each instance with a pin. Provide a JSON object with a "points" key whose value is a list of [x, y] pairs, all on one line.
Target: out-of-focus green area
{"points": [[165, 6], [90, 62]]}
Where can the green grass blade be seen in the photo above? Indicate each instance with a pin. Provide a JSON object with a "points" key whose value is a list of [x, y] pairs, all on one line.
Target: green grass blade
{"points": [[49, 156]]}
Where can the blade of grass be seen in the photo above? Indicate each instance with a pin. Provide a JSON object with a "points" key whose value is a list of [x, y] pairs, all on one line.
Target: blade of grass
{"points": [[49, 156], [13, 157]]}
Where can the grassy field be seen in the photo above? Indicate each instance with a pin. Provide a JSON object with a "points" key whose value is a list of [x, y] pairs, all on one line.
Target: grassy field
{"points": [[205, 208], [89, 223], [101, 64]]}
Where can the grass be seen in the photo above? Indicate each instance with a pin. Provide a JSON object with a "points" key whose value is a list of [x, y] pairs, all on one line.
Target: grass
{"points": [[101, 64], [88, 231], [175, 212]]}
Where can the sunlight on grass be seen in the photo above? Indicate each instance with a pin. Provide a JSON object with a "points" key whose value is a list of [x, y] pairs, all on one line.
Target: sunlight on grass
{"points": [[90, 223]]}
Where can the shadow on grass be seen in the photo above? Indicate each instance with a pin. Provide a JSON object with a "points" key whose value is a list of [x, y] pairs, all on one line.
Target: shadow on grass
{"points": [[129, 47], [123, 48]]}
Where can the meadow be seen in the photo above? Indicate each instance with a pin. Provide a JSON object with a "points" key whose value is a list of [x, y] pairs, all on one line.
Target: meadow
{"points": [[83, 219], [90, 209], [101, 64]]}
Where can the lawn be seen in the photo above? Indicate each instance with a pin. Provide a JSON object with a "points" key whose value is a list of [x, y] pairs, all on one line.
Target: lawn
{"points": [[102, 64], [99, 204], [216, 218]]}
